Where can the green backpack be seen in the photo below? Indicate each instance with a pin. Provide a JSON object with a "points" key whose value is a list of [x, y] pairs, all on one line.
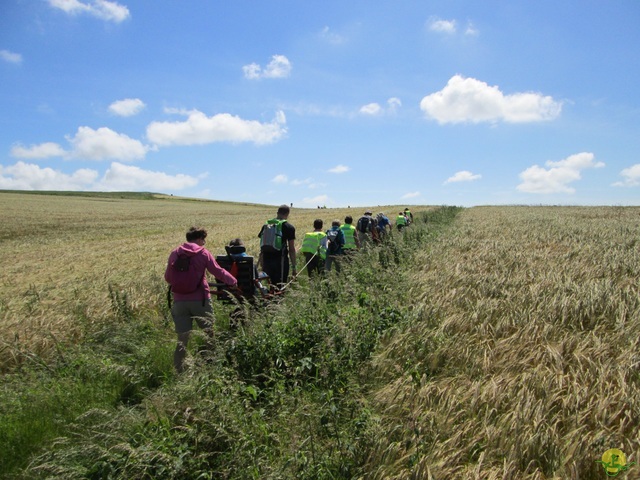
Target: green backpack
{"points": [[271, 238]]}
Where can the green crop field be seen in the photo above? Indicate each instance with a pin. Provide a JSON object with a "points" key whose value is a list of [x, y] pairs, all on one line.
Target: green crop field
{"points": [[484, 343]]}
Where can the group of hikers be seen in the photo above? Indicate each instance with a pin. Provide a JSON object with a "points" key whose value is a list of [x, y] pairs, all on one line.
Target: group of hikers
{"points": [[188, 263]]}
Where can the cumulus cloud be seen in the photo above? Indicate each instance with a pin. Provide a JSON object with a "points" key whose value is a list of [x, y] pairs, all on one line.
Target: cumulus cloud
{"points": [[631, 177], [10, 57], [88, 144], [470, 100], [127, 177], [463, 176], [278, 67], [436, 24], [375, 109], [127, 107], [102, 9], [371, 109], [199, 129], [44, 150], [28, 176], [281, 178], [339, 169], [394, 103], [25, 176], [557, 177], [105, 144], [411, 195]]}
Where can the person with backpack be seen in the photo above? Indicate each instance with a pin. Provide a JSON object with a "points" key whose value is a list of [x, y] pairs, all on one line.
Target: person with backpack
{"points": [[313, 249], [351, 241], [409, 215], [366, 228], [334, 244], [186, 274], [401, 221], [381, 225], [277, 247]]}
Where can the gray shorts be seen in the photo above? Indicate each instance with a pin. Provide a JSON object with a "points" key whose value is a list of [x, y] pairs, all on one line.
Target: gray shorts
{"points": [[185, 312]]}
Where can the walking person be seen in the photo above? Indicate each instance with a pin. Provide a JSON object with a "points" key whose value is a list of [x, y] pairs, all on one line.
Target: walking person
{"points": [[351, 241], [313, 249], [277, 247], [186, 274], [335, 243], [366, 229], [401, 221]]}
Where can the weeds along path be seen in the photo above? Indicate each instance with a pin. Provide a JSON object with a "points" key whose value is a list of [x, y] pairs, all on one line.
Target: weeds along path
{"points": [[524, 359], [281, 397]]}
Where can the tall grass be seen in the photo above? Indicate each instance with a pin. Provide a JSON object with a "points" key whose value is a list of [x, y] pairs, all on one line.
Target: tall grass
{"points": [[524, 360], [91, 392], [485, 343]]}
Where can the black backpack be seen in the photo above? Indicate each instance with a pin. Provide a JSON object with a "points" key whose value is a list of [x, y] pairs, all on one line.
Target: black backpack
{"points": [[333, 243], [364, 224]]}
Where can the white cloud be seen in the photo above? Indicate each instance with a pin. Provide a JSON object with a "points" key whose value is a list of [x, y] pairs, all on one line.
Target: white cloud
{"points": [[278, 67], [631, 177], [394, 103], [127, 107], [463, 176], [441, 26], [281, 178], [26, 176], [199, 129], [470, 100], [471, 30], [44, 150], [251, 71], [339, 169], [371, 109], [102, 9], [88, 144], [130, 178], [10, 57], [558, 176], [411, 195], [105, 144], [375, 109]]}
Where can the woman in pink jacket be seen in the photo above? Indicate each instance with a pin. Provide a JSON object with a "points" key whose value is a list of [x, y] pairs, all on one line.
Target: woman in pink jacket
{"points": [[186, 273]]}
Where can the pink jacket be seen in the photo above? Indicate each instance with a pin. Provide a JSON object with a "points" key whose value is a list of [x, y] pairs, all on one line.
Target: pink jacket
{"points": [[202, 260]]}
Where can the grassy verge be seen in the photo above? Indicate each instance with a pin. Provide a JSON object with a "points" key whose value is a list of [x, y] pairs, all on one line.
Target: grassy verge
{"points": [[283, 397]]}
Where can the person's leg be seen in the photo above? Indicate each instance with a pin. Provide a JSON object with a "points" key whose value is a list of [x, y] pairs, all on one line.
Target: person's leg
{"points": [[181, 351], [337, 262], [182, 321], [203, 315], [311, 263], [329, 262]]}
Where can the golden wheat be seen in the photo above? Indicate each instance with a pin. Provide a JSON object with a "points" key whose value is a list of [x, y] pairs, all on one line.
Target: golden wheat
{"points": [[524, 361], [62, 254]]}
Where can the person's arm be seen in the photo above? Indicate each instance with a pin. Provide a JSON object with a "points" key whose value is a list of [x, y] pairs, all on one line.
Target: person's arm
{"points": [[220, 273]]}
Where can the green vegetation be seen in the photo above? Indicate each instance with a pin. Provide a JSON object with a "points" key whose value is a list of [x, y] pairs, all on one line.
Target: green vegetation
{"points": [[282, 397], [488, 343]]}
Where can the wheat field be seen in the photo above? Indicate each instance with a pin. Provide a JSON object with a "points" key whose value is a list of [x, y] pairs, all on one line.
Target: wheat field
{"points": [[524, 360], [64, 256]]}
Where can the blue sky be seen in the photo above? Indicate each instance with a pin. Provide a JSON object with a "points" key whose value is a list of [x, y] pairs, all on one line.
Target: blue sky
{"points": [[324, 103]]}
